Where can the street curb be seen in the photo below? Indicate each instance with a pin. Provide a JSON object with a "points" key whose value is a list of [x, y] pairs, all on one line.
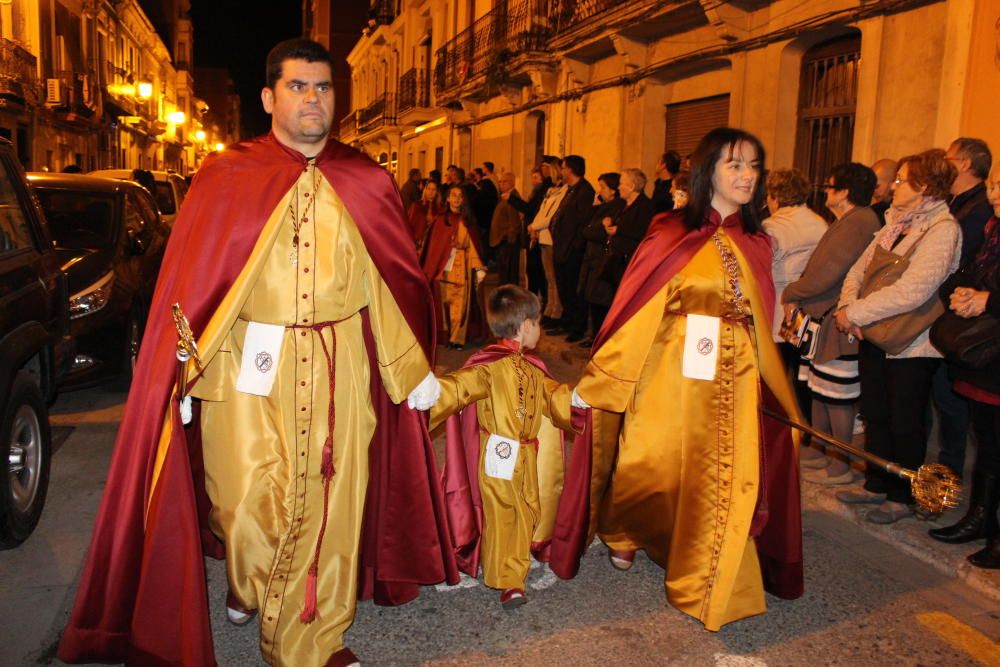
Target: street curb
{"points": [[910, 536]]}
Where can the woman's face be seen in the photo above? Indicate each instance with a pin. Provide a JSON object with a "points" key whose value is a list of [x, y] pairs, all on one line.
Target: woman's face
{"points": [[906, 196], [680, 197], [834, 197], [626, 188], [455, 199], [430, 191], [993, 191], [607, 194], [734, 180]]}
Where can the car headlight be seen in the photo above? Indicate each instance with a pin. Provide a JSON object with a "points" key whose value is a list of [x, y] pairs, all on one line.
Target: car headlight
{"points": [[91, 299]]}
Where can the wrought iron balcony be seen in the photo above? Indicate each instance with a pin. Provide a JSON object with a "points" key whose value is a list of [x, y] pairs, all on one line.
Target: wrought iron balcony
{"points": [[487, 46], [349, 127], [18, 82], [414, 90], [380, 113], [568, 14], [382, 12]]}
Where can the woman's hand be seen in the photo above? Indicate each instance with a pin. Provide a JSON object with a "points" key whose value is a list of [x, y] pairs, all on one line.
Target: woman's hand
{"points": [[843, 324], [790, 309], [967, 302]]}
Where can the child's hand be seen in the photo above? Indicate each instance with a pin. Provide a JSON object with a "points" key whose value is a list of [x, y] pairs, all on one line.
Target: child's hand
{"points": [[426, 393], [577, 402]]}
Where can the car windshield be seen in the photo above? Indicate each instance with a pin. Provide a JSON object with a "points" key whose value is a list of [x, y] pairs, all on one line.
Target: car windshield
{"points": [[165, 198], [79, 219]]}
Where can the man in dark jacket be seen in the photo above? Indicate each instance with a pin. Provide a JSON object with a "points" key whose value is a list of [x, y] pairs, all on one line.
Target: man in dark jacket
{"points": [[666, 169], [971, 208], [484, 202], [529, 209], [568, 246]]}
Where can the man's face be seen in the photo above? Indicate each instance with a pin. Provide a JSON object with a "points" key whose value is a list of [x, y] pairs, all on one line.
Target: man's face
{"points": [[301, 105], [506, 183], [567, 173]]}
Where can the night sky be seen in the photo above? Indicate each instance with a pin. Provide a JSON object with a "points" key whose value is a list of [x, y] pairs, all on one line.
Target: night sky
{"points": [[241, 44]]}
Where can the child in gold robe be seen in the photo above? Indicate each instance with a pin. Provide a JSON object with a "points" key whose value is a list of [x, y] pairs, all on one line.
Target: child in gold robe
{"points": [[505, 464]]}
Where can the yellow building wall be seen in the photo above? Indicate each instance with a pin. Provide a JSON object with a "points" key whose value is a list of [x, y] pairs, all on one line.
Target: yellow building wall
{"points": [[981, 107]]}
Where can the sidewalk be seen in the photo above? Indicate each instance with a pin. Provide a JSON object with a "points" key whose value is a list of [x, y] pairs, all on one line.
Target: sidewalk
{"points": [[910, 535]]}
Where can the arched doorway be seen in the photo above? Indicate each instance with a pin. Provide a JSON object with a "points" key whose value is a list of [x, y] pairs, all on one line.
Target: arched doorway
{"points": [[828, 95]]}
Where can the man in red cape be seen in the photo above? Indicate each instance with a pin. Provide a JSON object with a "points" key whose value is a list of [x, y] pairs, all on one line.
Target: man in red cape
{"points": [[142, 597], [777, 523]]}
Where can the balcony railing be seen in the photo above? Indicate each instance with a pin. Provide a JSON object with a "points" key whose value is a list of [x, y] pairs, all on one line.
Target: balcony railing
{"points": [[567, 14], [509, 28], [349, 126], [18, 82], [382, 12], [379, 113], [414, 90]]}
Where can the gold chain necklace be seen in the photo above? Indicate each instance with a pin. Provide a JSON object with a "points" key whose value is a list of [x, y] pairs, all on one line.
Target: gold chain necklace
{"points": [[297, 221], [731, 265], [522, 406]]}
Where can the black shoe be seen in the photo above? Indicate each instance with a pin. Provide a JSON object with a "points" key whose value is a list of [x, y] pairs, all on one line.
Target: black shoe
{"points": [[980, 520], [988, 558], [575, 337]]}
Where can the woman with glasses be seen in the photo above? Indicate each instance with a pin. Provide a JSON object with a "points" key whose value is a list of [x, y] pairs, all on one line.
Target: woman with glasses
{"points": [[896, 384], [832, 372]]}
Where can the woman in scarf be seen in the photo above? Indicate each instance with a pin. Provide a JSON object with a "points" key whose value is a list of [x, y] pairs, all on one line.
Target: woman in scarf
{"points": [[896, 384]]}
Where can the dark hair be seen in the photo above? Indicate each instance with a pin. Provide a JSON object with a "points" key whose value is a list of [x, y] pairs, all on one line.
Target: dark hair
{"points": [[508, 307], [576, 164], [703, 160], [450, 167], [436, 176], [479, 172], [612, 179], [930, 169], [682, 180], [490, 166], [459, 174], [859, 181], [977, 152], [294, 49], [414, 172], [672, 161]]}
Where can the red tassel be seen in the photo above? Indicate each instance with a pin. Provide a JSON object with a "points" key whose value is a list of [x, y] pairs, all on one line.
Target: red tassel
{"points": [[308, 614], [327, 466]]}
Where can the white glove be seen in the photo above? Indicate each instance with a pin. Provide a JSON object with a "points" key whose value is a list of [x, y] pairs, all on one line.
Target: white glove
{"points": [[186, 410], [426, 394], [578, 402]]}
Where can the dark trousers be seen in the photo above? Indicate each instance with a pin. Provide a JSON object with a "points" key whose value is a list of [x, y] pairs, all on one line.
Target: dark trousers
{"points": [[508, 263], [574, 318], [536, 273], [597, 315], [986, 425], [895, 394], [953, 414]]}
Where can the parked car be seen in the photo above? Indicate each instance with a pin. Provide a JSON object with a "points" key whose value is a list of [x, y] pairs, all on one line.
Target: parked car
{"points": [[110, 239], [34, 350], [170, 189]]}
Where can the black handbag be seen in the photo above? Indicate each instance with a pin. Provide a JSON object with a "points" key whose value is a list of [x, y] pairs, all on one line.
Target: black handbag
{"points": [[612, 267], [972, 342]]}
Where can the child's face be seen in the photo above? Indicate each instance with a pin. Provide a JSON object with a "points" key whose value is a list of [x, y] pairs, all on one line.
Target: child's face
{"points": [[530, 332]]}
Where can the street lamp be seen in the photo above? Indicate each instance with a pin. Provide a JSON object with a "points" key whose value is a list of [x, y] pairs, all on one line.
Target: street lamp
{"points": [[199, 135], [220, 147], [177, 117], [145, 88]]}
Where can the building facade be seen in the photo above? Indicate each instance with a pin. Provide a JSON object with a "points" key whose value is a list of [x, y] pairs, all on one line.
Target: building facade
{"points": [[819, 82], [92, 83]]}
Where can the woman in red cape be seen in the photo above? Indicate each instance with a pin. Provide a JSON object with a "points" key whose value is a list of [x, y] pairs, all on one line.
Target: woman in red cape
{"points": [[678, 459], [423, 212]]}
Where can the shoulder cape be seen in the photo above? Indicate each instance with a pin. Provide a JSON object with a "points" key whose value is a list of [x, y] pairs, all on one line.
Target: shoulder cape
{"points": [[777, 522], [142, 596], [460, 476]]}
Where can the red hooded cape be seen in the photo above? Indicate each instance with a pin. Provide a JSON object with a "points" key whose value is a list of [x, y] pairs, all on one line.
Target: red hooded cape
{"points": [[777, 523], [440, 238], [460, 476], [142, 597]]}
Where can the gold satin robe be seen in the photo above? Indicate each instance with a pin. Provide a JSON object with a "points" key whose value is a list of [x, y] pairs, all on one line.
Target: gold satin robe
{"points": [[262, 454], [685, 484], [520, 511], [458, 286]]}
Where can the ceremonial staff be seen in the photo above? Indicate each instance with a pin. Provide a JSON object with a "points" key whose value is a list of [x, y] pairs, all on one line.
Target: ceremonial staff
{"points": [[187, 349], [934, 486]]}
